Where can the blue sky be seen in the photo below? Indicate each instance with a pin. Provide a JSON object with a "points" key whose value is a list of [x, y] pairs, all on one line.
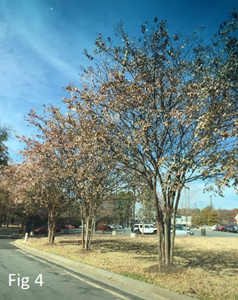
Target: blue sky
{"points": [[42, 43]]}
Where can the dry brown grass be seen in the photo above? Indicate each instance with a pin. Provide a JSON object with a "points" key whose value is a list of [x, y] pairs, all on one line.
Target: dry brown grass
{"points": [[205, 268]]}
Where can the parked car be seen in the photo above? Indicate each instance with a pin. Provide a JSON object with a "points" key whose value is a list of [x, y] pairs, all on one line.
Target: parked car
{"points": [[84, 226], [222, 227], [112, 227], [194, 227], [189, 231], [44, 230], [230, 228], [214, 227], [145, 228], [104, 227], [69, 226], [233, 228], [119, 227], [181, 230]]}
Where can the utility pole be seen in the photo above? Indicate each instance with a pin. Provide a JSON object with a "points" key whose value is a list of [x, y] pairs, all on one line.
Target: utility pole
{"points": [[134, 209], [211, 201]]}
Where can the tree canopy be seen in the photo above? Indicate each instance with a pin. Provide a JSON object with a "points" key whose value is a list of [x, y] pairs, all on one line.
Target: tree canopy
{"points": [[160, 108], [169, 105]]}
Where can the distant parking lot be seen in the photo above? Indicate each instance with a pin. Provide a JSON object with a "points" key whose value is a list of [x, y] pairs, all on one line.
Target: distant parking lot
{"points": [[213, 233], [127, 231]]}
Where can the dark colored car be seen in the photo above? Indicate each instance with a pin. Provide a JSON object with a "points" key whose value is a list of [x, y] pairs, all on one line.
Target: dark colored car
{"points": [[194, 227], [233, 228], [230, 228], [44, 230]]}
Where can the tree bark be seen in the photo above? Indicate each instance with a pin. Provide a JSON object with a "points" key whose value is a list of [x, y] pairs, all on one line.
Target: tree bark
{"points": [[86, 243], [83, 234], [175, 208], [51, 227]]}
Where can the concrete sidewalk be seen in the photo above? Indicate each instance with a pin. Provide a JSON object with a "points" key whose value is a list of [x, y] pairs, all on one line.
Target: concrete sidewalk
{"points": [[141, 289]]}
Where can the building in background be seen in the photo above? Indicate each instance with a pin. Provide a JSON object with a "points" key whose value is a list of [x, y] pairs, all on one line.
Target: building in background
{"points": [[236, 219], [183, 220]]}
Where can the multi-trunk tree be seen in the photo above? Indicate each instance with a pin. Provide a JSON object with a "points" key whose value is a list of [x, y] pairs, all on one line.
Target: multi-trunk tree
{"points": [[167, 108], [6, 205], [161, 108], [32, 186], [69, 165]]}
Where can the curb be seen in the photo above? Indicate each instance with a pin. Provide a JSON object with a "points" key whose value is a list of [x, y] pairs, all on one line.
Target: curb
{"points": [[153, 292]]}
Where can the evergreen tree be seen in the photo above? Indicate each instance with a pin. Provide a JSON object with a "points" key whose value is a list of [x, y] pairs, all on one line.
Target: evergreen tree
{"points": [[4, 156]]}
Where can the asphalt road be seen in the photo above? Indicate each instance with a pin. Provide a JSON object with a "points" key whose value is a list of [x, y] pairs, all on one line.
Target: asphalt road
{"points": [[27, 277]]}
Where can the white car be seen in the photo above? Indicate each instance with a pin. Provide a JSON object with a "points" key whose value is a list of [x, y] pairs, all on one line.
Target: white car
{"points": [[145, 228], [214, 227], [181, 230]]}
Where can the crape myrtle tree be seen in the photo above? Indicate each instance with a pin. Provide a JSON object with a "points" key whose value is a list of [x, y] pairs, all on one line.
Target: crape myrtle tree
{"points": [[169, 108], [38, 182], [95, 175], [97, 183], [72, 161], [16, 193], [222, 117], [6, 204], [33, 186]]}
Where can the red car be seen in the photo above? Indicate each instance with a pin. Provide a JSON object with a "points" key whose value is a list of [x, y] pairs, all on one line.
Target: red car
{"points": [[222, 227], [69, 226], [103, 227], [44, 230]]}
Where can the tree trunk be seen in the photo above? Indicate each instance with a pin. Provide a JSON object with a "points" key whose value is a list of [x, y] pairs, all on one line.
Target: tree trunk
{"points": [[51, 227], [83, 234], [164, 232], [161, 246], [176, 199], [167, 243], [91, 232], [86, 243], [173, 237]]}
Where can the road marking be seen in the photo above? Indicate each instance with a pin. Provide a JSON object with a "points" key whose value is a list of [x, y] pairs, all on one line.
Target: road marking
{"points": [[76, 276]]}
